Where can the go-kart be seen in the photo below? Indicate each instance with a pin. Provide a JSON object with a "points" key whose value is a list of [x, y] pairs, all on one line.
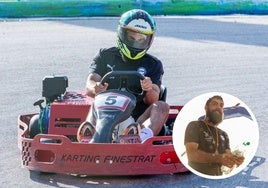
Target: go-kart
{"points": [[48, 140]]}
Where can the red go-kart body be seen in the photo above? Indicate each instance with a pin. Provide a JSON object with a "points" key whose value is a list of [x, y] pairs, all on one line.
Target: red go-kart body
{"points": [[58, 152]]}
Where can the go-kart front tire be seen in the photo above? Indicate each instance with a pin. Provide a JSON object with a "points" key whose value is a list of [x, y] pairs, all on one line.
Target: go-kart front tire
{"points": [[34, 128]]}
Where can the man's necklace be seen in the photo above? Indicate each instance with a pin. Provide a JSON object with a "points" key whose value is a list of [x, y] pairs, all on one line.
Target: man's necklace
{"points": [[216, 143]]}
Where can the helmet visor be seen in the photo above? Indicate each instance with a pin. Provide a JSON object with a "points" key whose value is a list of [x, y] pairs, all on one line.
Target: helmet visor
{"points": [[134, 39]]}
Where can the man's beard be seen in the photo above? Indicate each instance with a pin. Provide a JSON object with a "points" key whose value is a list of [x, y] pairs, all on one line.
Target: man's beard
{"points": [[214, 116]]}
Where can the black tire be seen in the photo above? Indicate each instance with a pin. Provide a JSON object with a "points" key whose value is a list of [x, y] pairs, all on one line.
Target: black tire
{"points": [[34, 126]]}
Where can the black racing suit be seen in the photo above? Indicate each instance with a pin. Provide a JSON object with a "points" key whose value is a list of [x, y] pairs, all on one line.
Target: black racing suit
{"points": [[110, 59], [198, 132]]}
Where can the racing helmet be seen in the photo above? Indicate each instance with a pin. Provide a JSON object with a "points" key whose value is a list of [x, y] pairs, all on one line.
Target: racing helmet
{"points": [[135, 33]]}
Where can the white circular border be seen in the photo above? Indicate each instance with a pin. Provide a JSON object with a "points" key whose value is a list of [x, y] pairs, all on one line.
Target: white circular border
{"points": [[245, 130]]}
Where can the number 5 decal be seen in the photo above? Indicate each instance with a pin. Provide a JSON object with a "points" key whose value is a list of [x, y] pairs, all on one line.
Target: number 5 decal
{"points": [[110, 100]]}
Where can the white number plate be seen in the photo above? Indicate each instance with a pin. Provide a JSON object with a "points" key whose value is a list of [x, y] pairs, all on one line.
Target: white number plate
{"points": [[112, 101]]}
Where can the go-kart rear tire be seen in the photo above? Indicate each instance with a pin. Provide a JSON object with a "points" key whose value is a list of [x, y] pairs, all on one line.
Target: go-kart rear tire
{"points": [[34, 126]]}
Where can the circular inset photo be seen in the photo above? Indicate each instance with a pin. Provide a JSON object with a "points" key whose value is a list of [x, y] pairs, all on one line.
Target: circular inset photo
{"points": [[215, 135]]}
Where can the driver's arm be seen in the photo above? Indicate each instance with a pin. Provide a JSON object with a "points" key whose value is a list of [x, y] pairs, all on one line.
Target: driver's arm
{"points": [[196, 155], [152, 91], [93, 85]]}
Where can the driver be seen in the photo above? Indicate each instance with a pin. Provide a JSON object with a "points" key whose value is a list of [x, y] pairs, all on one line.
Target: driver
{"points": [[135, 35]]}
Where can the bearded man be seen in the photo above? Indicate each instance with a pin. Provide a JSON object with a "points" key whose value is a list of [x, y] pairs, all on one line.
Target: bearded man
{"points": [[207, 146]]}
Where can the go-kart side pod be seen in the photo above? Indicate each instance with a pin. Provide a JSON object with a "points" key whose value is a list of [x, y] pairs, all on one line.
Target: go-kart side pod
{"points": [[61, 155]]}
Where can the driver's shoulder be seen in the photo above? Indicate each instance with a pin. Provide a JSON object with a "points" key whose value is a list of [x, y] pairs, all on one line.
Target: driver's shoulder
{"points": [[152, 58], [106, 51], [196, 124]]}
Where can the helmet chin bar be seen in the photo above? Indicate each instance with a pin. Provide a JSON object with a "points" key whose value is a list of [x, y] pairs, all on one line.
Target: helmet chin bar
{"points": [[135, 56], [136, 52], [127, 51]]}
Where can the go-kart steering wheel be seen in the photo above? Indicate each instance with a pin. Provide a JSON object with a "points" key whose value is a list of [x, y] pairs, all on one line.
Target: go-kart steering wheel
{"points": [[124, 76]]}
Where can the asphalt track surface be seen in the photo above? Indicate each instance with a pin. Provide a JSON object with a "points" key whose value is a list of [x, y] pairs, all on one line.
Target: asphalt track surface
{"points": [[200, 54]]}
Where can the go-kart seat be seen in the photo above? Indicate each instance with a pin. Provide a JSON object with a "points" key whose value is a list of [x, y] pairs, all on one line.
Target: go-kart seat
{"points": [[162, 97], [163, 93]]}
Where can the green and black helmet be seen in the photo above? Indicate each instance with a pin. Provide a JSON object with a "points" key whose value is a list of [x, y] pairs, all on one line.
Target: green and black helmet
{"points": [[138, 21]]}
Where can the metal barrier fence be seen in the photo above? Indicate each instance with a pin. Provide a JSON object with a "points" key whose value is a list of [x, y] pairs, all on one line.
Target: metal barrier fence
{"points": [[89, 8]]}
